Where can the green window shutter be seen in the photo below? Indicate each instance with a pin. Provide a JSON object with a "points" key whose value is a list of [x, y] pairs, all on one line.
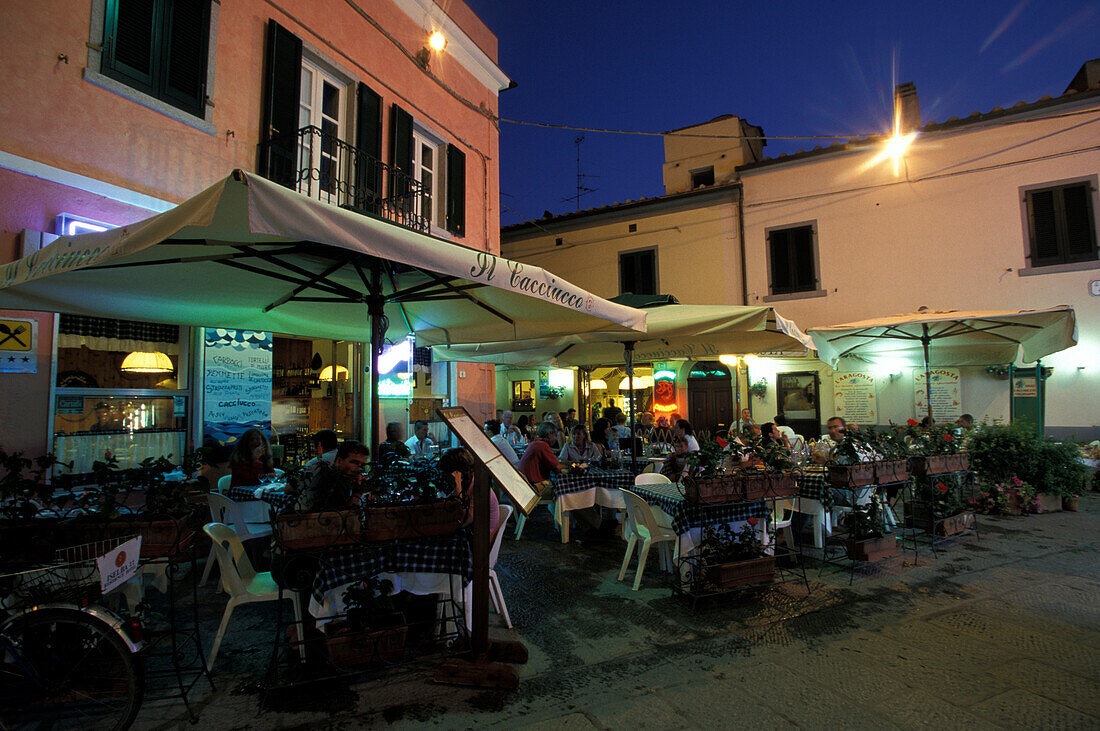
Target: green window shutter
{"points": [[282, 89], [1080, 225], [456, 191], [804, 277], [1044, 228], [368, 137], [184, 54], [401, 158], [129, 42], [779, 254]]}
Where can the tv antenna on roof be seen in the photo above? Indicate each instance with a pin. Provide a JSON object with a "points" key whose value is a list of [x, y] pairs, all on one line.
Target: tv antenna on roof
{"points": [[582, 190]]}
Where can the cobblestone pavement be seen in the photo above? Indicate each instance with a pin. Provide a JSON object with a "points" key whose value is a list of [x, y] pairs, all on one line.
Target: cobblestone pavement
{"points": [[999, 633]]}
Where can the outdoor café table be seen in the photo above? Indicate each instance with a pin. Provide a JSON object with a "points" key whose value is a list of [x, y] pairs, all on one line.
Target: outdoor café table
{"points": [[576, 491], [688, 519], [430, 565]]}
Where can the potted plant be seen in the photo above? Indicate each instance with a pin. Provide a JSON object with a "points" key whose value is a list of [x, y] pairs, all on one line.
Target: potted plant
{"points": [[708, 478], [852, 462], [1000, 451], [939, 508], [866, 538], [893, 465], [1012, 496], [735, 558], [25, 536], [373, 629]]}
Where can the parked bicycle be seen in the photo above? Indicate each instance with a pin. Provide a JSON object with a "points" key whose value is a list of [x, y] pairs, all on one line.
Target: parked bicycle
{"points": [[66, 659]]}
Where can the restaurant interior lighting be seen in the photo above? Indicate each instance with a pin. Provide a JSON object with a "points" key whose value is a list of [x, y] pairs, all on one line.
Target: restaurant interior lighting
{"points": [[597, 384], [561, 378], [437, 41], [146, 362], [640, 382], [327, 374], [730, 360]]}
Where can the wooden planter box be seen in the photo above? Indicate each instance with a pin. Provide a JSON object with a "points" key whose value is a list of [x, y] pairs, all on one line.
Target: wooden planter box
{"points": [[412, 521], [957, 462], [871, 549], [160, 537], [1049, 503], [1069, 504], [723, 489], [891, 471], [931, 464], [740, 573], [955, 524], [852, 475], [346, 647], [783, 485], [920, 515], [389, 523]]}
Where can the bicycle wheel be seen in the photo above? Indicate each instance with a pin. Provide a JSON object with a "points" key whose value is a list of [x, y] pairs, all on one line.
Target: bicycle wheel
{"points": [[64, 669]]}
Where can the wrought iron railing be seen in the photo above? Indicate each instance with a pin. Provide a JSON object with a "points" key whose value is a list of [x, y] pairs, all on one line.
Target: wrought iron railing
{"points": [[322, 166]]}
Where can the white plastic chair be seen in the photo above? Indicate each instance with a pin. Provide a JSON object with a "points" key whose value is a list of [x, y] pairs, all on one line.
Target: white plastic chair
{"points": [[224, 510], [642, 525], [651, 478], [819, 518], [782, 516], [243, 583], [494, 583], [223, 482]]}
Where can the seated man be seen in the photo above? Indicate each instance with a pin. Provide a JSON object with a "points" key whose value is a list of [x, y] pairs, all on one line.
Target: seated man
{"points": [[335, 486], [538, 462], [492, 430], [511, 432], [966, 421], [823, 451], [394, 444], [325, 444], [420, 442], [788, 434]]}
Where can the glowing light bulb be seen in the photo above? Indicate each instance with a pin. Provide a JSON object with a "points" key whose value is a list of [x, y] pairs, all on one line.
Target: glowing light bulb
{"points": [[437, 42]]}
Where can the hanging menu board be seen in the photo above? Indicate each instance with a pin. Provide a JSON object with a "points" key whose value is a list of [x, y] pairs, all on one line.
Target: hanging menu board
{"points": [[946, 394], [236, 383], [854, 397]]}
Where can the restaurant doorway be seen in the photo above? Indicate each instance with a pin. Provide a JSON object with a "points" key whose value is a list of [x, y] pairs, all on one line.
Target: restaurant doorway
{"points": [[796, 398], [710, 398]]}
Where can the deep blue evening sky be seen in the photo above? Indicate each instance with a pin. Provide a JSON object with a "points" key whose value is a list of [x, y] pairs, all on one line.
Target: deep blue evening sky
{"points": [[795, 68]]}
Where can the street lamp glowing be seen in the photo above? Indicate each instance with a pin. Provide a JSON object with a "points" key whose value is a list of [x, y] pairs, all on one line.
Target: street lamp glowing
{"points": [[437, 42], [896, 147]]}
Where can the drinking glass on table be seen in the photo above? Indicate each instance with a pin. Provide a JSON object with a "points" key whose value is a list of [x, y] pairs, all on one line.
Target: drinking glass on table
{"points": [[267, 479]]}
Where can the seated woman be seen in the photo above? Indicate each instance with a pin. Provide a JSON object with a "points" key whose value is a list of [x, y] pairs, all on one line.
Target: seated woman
{"points": [[601, 434], [460, 463], [580, 449], [769, 435], [676, 465], [250, 460], [662, 433]]}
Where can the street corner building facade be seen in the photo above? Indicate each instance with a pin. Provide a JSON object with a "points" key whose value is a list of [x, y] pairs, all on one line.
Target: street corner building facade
{"points": [[115, 111]]}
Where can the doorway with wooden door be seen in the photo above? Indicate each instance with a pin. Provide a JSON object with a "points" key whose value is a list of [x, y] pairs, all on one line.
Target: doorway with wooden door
{"points": [[710, 398]]}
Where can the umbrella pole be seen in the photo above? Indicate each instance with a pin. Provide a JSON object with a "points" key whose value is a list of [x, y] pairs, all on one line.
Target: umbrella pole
{"points": [[924, 341], [629, 346], [737, 426], [376, 307]]}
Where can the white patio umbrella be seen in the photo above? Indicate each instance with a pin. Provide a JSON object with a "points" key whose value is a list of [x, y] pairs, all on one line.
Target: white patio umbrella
{"points": [[247, 253], [950, 338], [673, 331]]}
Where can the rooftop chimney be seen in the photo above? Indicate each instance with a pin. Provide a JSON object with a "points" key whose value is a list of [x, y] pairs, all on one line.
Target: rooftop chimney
{"points": [[906, 108], [1087, 78]]}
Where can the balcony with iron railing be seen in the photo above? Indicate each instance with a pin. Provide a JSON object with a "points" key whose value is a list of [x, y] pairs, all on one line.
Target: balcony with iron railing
{"points": [[324, 167]]}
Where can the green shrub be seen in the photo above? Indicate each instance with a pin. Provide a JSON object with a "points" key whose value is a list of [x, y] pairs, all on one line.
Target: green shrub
{"points": [[999, 451]]}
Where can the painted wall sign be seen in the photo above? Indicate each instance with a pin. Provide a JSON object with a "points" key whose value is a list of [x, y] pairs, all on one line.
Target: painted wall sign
{"points": [[854, 397], [946, 394], [18, 346], [236, 383]]}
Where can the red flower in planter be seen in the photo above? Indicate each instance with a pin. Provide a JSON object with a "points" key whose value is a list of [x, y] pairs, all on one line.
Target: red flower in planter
{"points": [[948, 438], [753, 521], [941, 487], [722, 442], [913, 422]]}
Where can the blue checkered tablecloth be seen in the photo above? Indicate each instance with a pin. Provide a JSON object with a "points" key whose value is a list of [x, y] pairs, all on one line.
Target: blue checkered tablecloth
{"points": [[565, 484], [686, 515], [277, 499], [815, 486], [450, 554]]}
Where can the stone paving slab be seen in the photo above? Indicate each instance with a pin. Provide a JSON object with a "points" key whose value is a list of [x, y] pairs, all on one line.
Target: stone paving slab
{"points": [[1022, 709], [1068, 689]]}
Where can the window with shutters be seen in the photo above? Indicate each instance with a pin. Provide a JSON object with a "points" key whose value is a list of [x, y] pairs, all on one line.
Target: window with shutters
{"points": [[159, 48], [427, 166], [792, 260], [322, 110], [1061, 224], [638, 272]]}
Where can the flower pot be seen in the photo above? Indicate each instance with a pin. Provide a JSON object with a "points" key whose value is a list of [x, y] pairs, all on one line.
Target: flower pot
{"points": [[347, 647], [782, 485], [1015, 504], [740, 573], [720, 489], [316, 530], [871, 549], [412, 521], [891, 471], [929, 464], [1069, 504], [957, 462], [754, 486], [852, 475], [1049, 503], [955, 524]]}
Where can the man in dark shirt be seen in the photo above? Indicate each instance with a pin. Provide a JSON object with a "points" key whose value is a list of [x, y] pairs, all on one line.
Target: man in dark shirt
{"points": [[538, 462], [394, 446], [331, 487]]}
